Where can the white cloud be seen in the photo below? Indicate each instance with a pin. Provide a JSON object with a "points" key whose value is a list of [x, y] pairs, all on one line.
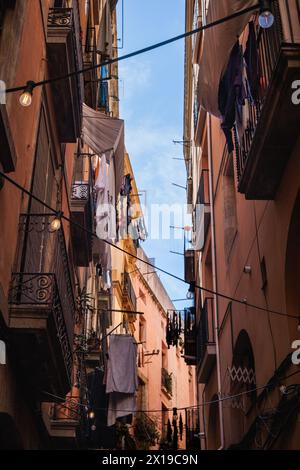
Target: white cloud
{"points": [[135, 76]]}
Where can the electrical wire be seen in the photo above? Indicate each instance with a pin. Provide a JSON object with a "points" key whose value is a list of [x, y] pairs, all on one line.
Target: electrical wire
{"points": [[174, 276], [138, 52], [200, 405]]}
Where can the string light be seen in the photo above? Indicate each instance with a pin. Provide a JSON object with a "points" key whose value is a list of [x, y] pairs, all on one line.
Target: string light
{"points": [[141, 51], [56, 222], [191, 292], [266, 17], [282, 389], [132, 255], [26, 96]]}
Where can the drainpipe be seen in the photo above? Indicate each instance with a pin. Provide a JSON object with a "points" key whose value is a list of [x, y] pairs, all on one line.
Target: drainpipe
{"points": [[215, 282]]}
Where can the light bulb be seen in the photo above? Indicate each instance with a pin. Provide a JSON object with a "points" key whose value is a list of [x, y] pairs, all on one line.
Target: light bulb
{"points": [[190, 295], [266, 19], [282, 389], [26, 99], [91, 415], [93, 428], [55, 224], [26, 96]]}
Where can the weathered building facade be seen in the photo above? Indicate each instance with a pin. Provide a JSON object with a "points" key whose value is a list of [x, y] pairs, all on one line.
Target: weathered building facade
{"points": [[70, 237], [243, 189], [56, 293], [165, 381]]}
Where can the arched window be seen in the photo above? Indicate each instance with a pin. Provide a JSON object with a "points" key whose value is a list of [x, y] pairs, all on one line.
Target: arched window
{"points": [[242, 381]]}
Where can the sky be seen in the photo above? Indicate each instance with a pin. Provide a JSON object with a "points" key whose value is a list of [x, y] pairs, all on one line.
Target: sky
{"points": [[151, 103]]}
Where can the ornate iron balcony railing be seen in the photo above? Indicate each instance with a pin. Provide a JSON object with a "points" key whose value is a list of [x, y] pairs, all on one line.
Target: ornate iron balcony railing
{"points": [[60, 17], [43, 276], [206, 329], [128, 289], [269, 42]]}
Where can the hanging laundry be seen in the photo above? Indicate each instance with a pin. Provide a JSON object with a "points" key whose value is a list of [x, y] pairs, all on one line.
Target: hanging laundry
{"points": [[169, 432], [252, 64], [126, 186], [121, 380], [105, 206], [101, 435], [181, 427], [231, 93]]}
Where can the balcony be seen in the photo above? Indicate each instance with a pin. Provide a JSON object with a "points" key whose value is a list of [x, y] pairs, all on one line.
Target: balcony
{"points": [[202, 213], [63, 422], [90, 77], [129, 297], [189, 266], [103, 94], [206, 346], [4, 5], [166, 382], [42, 306], [82, 211], [273, 123], [65, 56], [190, 347]]}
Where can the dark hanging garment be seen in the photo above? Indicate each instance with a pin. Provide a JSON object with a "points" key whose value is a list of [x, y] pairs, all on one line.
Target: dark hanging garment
{"points": [[231, 93], [175, 436], [169, 432], [101, 436], [181, 427], [252, 64]]}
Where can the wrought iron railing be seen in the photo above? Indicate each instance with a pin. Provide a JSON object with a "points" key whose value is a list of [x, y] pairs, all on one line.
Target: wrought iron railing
{"points": [[206, 329], [128, 290], [80, 191], [203, 192], [166, 381], [82, 187], [60, 17], [69, 18], [43, 276], [270, 42], [190, 334], [69, 410], [91, 78]]}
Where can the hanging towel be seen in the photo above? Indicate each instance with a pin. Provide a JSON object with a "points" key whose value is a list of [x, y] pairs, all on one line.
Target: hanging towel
{"points": [[120, 405], [122, 365]]}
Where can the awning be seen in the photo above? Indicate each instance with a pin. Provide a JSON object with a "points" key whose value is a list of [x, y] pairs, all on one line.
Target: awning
{"points": [[217, 45], [104, 134]]}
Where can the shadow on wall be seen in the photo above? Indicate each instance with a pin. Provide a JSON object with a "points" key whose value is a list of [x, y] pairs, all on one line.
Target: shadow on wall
{"points": [[292, 269]]}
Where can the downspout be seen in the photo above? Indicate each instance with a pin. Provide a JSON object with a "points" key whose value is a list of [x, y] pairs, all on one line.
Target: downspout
{"points": [[215, 282]]}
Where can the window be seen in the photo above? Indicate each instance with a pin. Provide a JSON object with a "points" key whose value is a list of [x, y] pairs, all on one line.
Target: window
{"points": [[4, 5], [2, 353], [142, 331]]}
